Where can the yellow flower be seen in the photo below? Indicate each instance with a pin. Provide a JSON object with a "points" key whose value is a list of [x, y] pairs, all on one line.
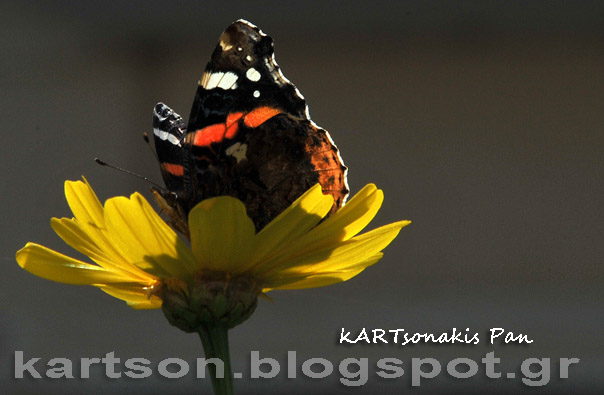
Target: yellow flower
{"points": [[136, 253]]}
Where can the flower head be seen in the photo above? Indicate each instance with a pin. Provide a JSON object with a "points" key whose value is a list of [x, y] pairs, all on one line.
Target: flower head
{"points": [[138, 258]]}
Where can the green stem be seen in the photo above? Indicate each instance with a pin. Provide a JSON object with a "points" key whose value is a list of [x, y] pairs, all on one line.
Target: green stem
{"points": [[215, 341]]}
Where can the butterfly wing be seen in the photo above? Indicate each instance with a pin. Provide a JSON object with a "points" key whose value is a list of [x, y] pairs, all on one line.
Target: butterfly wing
{"points": [[250, 132], [169, 132]]}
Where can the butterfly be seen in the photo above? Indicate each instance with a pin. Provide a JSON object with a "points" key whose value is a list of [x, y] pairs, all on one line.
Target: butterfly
{"points": [[249, 135]]}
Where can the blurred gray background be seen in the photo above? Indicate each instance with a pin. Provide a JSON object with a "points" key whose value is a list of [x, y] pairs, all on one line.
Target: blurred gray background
{"points": [[481, 121]]}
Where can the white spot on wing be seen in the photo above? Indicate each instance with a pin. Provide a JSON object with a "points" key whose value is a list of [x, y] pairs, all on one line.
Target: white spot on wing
{"points": [[237, 151], [219, 79], [256, 93], [228, 80], [248, 58], [213, 80], [225, 47], [252, 74], [163, 135]]}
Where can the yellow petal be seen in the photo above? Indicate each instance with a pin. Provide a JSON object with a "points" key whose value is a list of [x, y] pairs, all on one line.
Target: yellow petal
{"points": [[346, 222], [313, 278], [341, 226], [70, 231], [353, 217], [89, 218], [222, 235], [137, 298], [339, 256], [84, 203], [145, 239], [291, 224], [74, 236], [51, 265], [316, 280]]}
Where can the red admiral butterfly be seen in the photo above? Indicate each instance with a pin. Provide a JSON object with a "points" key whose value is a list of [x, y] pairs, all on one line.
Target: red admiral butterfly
{"points": [[249, 136]]}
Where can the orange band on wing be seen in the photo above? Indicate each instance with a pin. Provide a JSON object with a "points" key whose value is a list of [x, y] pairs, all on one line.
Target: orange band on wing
{"points": [[175, 170], [260, 115], [218, 132], [209, 134], [232, 124]]}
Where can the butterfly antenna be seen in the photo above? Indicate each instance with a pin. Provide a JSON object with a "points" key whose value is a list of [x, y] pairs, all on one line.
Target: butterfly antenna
{"points": [[103, 163], [146, 138]]}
